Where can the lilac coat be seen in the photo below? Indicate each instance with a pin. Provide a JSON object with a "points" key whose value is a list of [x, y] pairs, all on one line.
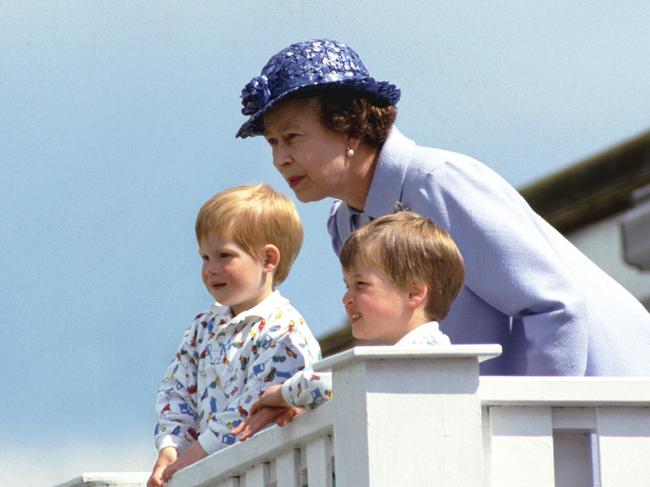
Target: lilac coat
{"points": [[527, 287]]}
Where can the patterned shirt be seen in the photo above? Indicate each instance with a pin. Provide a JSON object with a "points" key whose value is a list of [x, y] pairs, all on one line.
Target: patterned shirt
{"points": [[309, 389], [223, 365]]}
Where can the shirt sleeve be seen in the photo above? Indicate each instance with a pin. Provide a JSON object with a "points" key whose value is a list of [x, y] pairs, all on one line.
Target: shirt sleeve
{"points": [[307, 389], [281, 347], [513, 260], [176, 406]]}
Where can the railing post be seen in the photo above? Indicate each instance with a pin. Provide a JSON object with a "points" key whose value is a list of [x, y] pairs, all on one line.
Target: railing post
{"points": [[408, 416]]}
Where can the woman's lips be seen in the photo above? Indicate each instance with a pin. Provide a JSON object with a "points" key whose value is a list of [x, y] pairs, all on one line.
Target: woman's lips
{"points": [[294, 180]]}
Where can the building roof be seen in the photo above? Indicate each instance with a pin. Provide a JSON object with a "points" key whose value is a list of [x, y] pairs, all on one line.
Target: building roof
{"points": [[594, 188]]}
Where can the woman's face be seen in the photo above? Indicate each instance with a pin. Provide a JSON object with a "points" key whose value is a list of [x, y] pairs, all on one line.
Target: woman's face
{"points": [[311, 158]]}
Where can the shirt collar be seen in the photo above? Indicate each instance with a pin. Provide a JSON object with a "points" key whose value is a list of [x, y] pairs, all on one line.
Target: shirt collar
{"points": [[424, 330], [388, 179], [260, 310]]}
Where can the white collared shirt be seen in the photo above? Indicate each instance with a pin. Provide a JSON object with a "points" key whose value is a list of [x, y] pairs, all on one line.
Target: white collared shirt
{"points": [[426, 334]]}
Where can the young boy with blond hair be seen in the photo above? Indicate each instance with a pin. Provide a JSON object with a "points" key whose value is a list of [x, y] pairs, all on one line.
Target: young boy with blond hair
{"points": [[251, 338], [402, 273]]}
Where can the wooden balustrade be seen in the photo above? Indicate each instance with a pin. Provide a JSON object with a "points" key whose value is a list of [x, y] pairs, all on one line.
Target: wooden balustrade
{"points": [[421, 417]]}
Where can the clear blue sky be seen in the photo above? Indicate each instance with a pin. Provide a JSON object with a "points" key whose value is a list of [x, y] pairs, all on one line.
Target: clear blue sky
{"points": [[117, 120]]}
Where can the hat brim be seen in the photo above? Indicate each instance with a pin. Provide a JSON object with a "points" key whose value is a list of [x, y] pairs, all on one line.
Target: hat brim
{"points": [[383, 92]]}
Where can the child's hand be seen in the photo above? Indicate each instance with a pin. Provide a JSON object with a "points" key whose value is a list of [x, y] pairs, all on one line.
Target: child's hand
{"points": [[272, 397], [261, 417], [166, 456], [268, 408], [192, 454]]}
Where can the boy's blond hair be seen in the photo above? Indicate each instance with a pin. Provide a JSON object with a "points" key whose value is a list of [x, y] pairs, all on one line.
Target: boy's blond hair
{"points": [[409, 248], [254, 216]]}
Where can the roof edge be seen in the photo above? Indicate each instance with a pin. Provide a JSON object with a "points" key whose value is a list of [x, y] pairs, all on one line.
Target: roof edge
{"points": [[594, 188]]}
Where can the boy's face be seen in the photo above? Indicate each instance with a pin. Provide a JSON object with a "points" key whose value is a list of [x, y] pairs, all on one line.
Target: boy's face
{"points": [[376, 308], [232, 276]]}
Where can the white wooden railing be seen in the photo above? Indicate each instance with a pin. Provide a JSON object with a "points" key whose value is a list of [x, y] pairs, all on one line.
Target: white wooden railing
{"points": [[423, 417]]}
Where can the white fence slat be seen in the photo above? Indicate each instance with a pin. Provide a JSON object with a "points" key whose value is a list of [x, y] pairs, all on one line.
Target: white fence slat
{"points": [[287, 469], [573, 459], [319, 462], [257, 476], [231, 482], [521, 447], [572, 446], [486, 443], [624, 446]]}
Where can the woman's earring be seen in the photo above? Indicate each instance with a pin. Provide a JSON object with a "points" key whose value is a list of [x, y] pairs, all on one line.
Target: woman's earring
{"points": [[349, 152]]}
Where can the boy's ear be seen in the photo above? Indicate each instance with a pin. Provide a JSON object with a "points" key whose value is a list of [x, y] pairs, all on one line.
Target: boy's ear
{"points": [[271, 255], [418, 293]]}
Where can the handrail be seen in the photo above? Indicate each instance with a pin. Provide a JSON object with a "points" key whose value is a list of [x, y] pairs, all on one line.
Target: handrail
{"points": [[263, 447], [564, 391], [425, 417]]}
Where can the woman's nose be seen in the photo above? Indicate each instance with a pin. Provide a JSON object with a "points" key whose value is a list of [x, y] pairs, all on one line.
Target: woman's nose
{"points": [[281, 157]]}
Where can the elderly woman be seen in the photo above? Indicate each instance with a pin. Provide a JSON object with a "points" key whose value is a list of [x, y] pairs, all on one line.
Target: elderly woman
{"points": [[331, 129]]}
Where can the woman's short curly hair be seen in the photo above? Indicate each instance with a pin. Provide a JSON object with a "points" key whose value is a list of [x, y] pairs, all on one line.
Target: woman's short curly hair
{"points": [[352, 112]]}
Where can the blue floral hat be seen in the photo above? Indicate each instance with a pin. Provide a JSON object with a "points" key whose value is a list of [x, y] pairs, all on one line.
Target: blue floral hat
{"points": [[308, 64]]}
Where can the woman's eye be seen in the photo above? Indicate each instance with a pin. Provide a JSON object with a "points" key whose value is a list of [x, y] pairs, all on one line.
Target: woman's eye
{"points": [[224, 255]]}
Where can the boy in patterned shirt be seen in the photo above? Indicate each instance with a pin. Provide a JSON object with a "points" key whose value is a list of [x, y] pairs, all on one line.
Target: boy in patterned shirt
{"points": [[251, 338], [402, 273]]}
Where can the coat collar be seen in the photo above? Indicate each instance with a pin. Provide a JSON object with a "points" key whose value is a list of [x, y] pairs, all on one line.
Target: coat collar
{"points": [[386, 188]]}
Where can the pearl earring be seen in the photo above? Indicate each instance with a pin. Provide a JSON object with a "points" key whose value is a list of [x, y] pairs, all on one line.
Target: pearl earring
{"points": [[349, 152]]}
